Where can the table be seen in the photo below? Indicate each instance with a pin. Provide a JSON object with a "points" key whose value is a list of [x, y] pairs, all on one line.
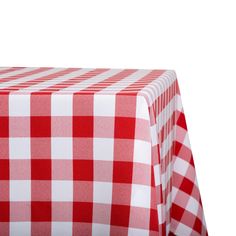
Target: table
{"points": [[95, 152]]}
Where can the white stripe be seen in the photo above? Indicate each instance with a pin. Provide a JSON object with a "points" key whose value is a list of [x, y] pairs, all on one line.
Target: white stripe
{"points": [[179, 106], [124, 83], [54, 81], [138, 232], [161, 214], [29, 77], [90, 81]]}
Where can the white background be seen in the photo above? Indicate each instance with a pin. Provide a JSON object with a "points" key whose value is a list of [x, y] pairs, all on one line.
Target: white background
{"points": [[195, 38]]}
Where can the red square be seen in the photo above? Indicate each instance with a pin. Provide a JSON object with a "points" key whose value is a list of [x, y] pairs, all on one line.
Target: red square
{"points": [[83, 126], [177, 212], [181, 121], [40, 126], [41, 211], [4, 211], [125, 127], [83, 170], [153, 220], [41, 169], [4, 169], [187, 186], [122, 172], [82, 212], [198, 225], [120, 215], [4, 126]]}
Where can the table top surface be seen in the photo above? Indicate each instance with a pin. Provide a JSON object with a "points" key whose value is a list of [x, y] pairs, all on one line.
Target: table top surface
{"points": [[80, 80]]}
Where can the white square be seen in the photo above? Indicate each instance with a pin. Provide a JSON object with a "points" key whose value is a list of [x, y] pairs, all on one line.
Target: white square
{"points": [[61, 105], [103, 149], [179, 106], [142, 108], [186, 141], [180, 166], [19, 148], [62, 148], [61, 228], [102, 192], [140, 196], [138, 232], [20, 190], [20, 228], [160, 212], [19, 105], [142, 152], [104, 105], [154, 135], [157, 174], [100, 230], [193, 205], [174, 193], [62, 191], [182, 229]]}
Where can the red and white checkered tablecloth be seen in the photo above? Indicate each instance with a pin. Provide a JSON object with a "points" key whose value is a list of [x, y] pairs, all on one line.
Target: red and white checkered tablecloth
{"points": [[95, 152]]}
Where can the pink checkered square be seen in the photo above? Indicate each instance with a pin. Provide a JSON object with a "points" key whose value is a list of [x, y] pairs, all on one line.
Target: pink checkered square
{"points": [[103, 127], [20, 169], [20, 211], [62, 170], [61, 126], [40, 148], [83, 191], [62, 211], [83, 148]]}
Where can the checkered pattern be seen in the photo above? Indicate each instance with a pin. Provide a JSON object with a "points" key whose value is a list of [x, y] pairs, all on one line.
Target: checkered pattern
{"points": [[95, 152]]}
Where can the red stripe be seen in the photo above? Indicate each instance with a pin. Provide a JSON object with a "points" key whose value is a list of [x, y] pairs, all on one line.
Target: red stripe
{"points": [[21, 75], [10, 70]]}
